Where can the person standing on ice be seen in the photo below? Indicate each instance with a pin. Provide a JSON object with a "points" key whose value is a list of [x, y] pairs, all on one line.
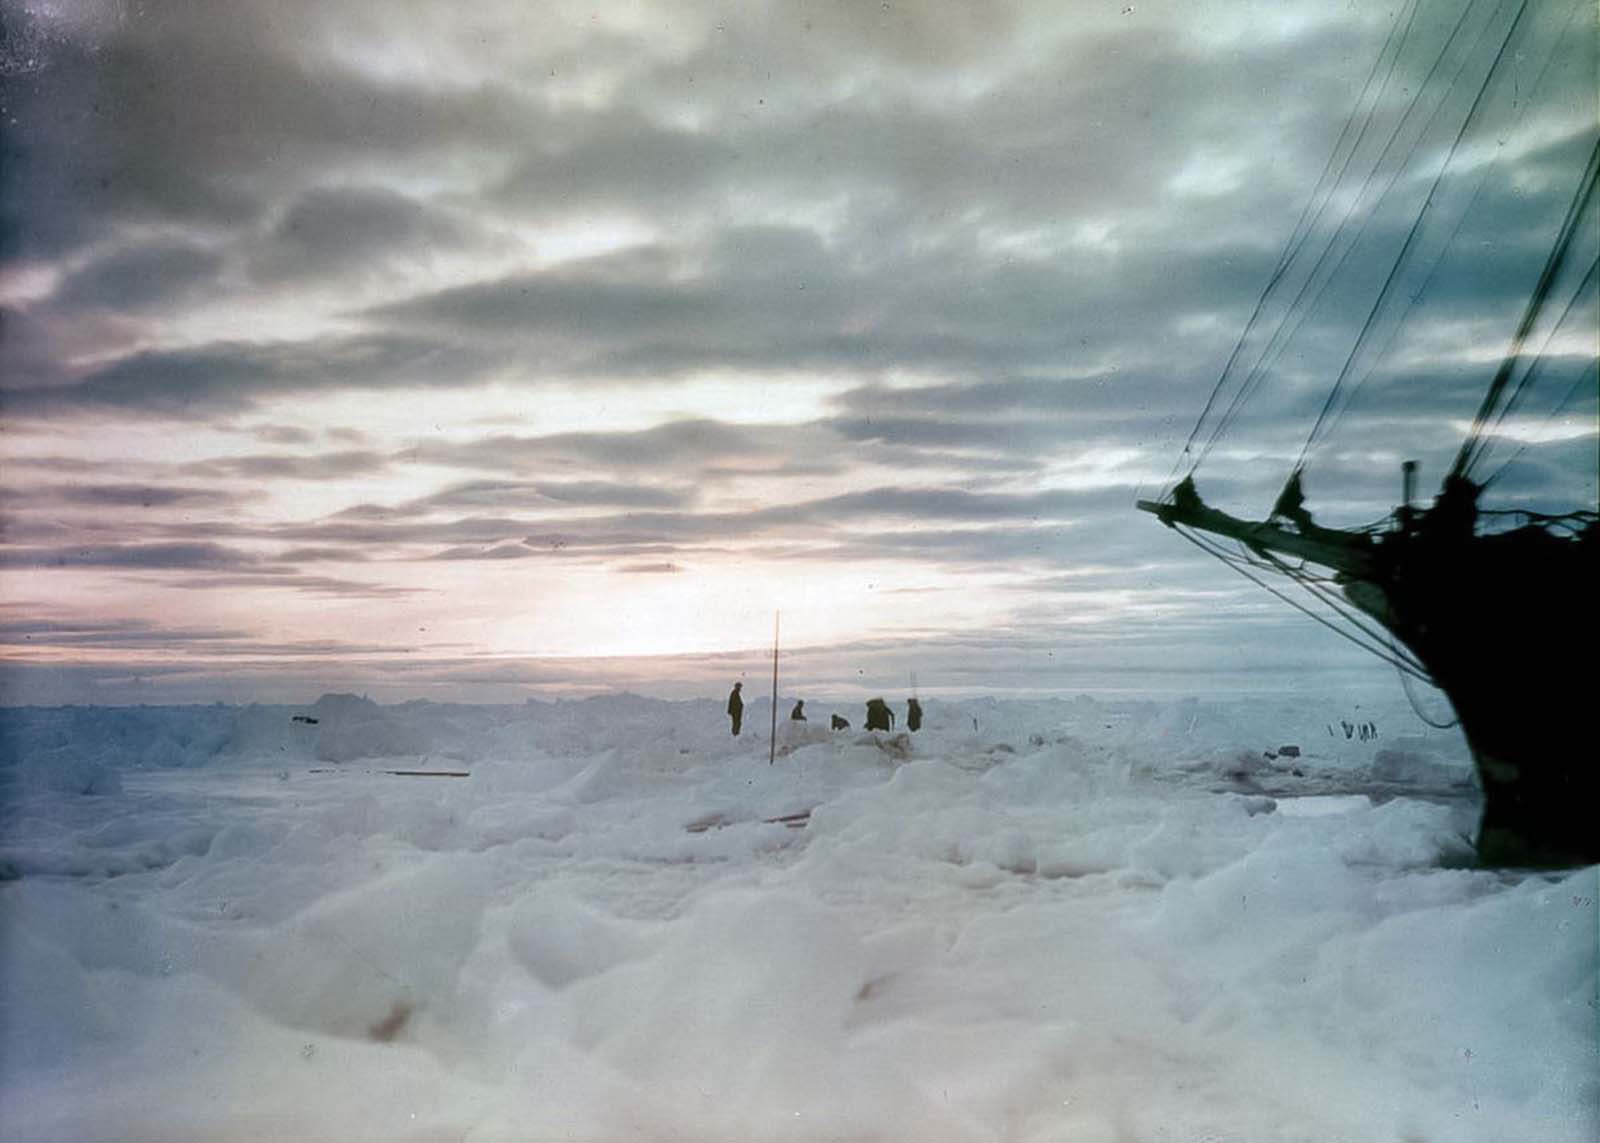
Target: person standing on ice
{"points": [[798, 714], [736, 707], [913, 714], [879, 716]]}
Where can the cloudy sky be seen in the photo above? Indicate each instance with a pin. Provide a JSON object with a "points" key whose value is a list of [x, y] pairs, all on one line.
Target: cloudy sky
{"points": [[476, 351]]}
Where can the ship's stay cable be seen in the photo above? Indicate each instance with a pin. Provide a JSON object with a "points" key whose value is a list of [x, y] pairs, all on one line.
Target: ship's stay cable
{"points": [[1237, 565], [1247, 389], [1413, 298], [1411, 235], [1474, 445], [1416, 708], [1309, 217], [1535, 368], [1320, 588], [1316, 282], [1377, 641], [1577, 387], [1537, 364], [1311, 213]]}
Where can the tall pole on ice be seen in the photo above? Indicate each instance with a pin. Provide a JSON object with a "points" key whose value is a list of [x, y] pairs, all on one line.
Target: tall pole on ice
{"points": [[772, 746]]}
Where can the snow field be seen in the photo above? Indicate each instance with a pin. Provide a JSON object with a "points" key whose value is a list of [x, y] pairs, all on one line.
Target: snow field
{"points": [[1053, 920]]}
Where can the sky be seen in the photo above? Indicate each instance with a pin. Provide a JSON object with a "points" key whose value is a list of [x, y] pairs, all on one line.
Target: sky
{"points": [[489, 351]]}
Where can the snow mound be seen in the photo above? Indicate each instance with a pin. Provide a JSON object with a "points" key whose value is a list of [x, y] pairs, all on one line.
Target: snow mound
{"points": [[1030, 920], [349, 728]]}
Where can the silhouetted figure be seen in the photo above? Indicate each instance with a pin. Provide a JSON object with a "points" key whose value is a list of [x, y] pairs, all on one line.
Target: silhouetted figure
{"points": [[879, 716], [736, 707], [798, 714], [1454, 512], [837, 723], [1186, 496], [1291, 504], [913, 714]]}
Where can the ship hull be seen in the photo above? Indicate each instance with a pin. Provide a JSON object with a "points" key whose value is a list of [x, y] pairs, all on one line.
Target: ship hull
{"points": [[1505, 625]]}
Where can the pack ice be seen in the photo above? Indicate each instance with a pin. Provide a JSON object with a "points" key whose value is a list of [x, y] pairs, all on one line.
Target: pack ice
{"points": [[1087, 920]]}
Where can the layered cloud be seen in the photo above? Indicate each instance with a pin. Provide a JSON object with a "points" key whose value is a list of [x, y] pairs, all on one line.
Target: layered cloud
{"points": [[340, 314]]}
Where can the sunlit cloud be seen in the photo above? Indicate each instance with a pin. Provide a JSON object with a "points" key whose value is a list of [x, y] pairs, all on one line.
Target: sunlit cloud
{"points": [[570, 343]]}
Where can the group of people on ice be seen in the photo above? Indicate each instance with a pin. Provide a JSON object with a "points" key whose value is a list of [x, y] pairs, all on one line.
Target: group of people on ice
{"points": [[879, 716]]}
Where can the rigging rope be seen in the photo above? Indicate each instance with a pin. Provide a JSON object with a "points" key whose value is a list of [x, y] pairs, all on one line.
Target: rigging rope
{"points": [[1542, 356], [1405, 685], [1416, 227], [1221, 554], [1473, 446], [1438, 260], [1594, 368], [1535, 369], [1322, 591], [1302, 228], [1278, 340]]}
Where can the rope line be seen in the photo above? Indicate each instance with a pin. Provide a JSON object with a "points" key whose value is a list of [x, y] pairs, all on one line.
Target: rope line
{"points": [[1444, 248], [1416, 228], [1405, 685], [1380, 651], [1472, 446], [1548, 521], [1336, 239], [1325, 593], [1534, 369], [1302, 229]]}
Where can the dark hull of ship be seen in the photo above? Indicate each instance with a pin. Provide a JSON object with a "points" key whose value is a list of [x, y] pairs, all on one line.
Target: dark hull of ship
{"points": [[1505, 625]]}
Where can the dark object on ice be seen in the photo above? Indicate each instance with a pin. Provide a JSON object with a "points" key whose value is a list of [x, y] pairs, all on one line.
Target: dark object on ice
{"points": [[913, 714], [1289, 751], [385, 1030], [736, 707], [837, 723], [798, 820], [798, 714], [1487, 605], [879, 716], [793, 821], [304, 718], [395, 773]]}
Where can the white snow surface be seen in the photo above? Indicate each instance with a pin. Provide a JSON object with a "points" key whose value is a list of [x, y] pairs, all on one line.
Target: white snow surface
{"points": [[1064, 920]]}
